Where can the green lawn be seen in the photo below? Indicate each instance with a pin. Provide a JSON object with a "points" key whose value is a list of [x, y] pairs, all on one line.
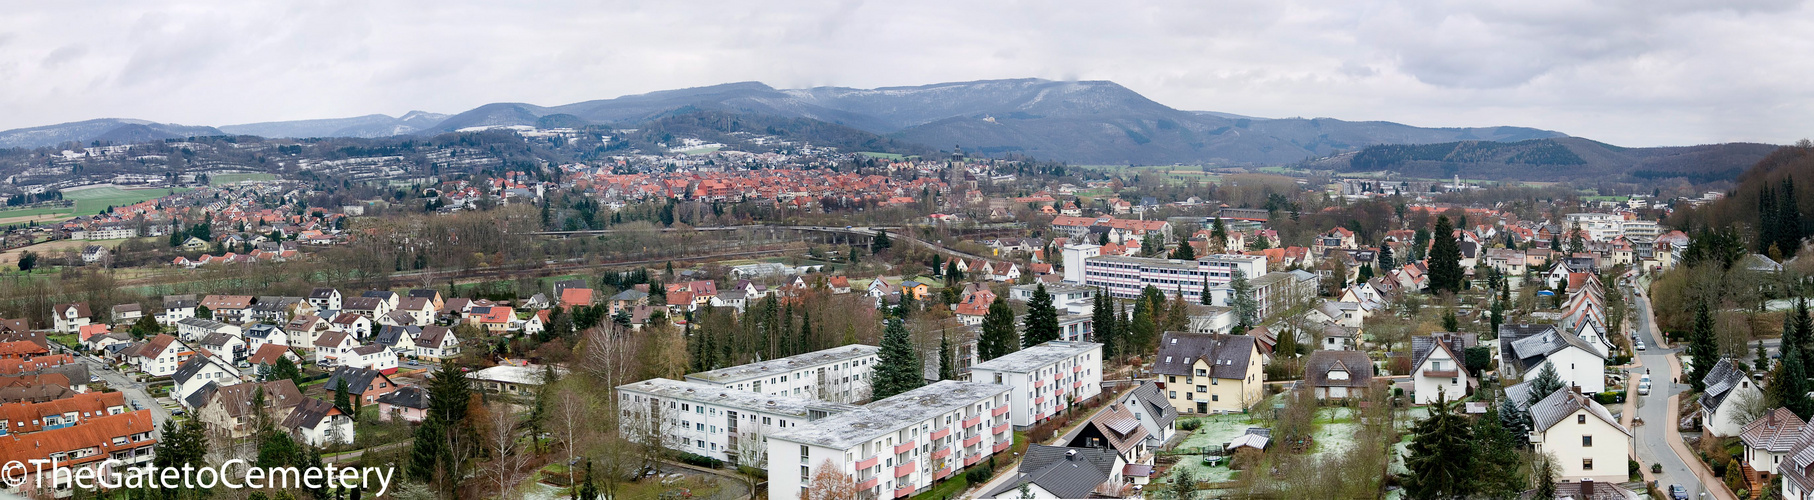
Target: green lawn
{"points": [[92, 200], [216, 180]]}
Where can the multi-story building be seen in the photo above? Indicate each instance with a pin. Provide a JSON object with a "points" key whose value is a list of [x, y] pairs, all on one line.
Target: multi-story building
{"points": [[1126, 277], [704, 419], [1588, 442], [1067, 297], [1046, 378], [25, 418], [1208, 372], [899, 445], [126, 438], [838, 374]]}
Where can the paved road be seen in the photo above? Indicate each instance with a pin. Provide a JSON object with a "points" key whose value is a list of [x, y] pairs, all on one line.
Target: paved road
{"points": [[1652, 437], [134, 391]]}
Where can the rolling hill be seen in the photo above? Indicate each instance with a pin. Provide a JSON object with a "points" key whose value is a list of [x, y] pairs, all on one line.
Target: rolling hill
{"points": [[1087, 122], [1559, 158]]}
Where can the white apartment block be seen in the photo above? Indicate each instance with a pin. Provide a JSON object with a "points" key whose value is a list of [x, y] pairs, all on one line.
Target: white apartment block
{"points": [[1070, 298], [839, 374], [702, 419], [1608, 227], [899, 445], [1045, 378], [1126, 277]]}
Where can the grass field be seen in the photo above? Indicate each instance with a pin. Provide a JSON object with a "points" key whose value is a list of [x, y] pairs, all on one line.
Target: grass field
{"points": [[50, 250], [89, 201], [216, 180]]}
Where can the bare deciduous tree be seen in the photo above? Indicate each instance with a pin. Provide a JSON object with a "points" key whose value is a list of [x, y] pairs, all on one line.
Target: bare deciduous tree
{"points": [[501, 436], [829, 483]]}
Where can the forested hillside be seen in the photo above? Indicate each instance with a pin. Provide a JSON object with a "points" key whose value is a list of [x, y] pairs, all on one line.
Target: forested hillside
{"points": [[1769, 206]]}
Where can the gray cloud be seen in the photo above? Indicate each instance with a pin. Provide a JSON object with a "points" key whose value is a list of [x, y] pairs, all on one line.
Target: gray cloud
{"points": [[1631, 72]]}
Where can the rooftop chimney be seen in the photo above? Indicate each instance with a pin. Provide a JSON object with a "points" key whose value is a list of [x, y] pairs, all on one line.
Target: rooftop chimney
{"points": [[1587, 487]]}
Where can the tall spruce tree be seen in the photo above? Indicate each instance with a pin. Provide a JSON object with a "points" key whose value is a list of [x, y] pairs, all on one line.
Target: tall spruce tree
{"points": [[1546, 383], [1240, 298], [1789, 385], [1514, 419], [1144, 329], [1768, 226], [947, 359], [1102, 321], [1385, 258], [1206, 297], [1702, 349], [998, 336], [1184, 251], [898, 367], [1496, 460], [1788, 220], [1441, 456], [1804, 332], [442, 433], [1042, 318], [1445, 259]]}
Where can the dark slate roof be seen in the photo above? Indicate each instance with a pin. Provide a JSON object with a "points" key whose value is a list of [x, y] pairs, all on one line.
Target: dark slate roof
{"points": [[180, 301], [1319, 363], [1061, 471], [322, 293], [379, 294], [1151, 399], [201, 396], [1564, 402], [424, 293], [1227, 354], [358, 380], [1527, 346], [631, 294], [308, 414], [1421, 347], [407, 397], [389, 335], [193, 366], [1719, 382]]}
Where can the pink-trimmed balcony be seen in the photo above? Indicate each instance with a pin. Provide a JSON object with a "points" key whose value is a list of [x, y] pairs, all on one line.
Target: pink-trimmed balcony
{"points": [[1077, 384], [942, 452], [1002, 446], [1039, 400], [1039, 383], [903, 491], [871, 483], [973, 440], [999, 411], [941, 433], [972, 422], [969, 461], [999, 429], [903, 447], [904, 469], [1076, 369], [869, 462], [942, 473]]}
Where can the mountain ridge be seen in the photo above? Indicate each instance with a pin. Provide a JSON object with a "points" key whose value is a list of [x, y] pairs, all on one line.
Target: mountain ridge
{"points": [[1086, 121]]}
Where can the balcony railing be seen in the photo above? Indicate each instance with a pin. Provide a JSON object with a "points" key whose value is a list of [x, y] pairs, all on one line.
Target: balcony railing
{"points": [[999, 411], [903, 491], [999, 447], [905, 469], [941, 452], [972, 421], [869, 462], [1039, 383], [871, 483], [999, 429], [941, 433], [898, 449], [1441, 373], [972, 441]]}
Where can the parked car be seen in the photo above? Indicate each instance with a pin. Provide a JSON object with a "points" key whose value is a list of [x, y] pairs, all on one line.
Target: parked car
{"points": [[1677, 492], [1640, 346], [1644, 388]]}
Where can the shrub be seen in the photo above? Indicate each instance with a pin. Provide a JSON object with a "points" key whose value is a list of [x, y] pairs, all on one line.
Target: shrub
{"points": [[700, 461], [1609, 397], [980, 474], [1189, 425], [1656, 468]]}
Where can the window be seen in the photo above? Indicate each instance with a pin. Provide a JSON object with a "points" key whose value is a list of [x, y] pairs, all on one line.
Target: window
{"points": [[1581, 419], [1587, 441], [1214, 381], [1587, 464], [1173, 394]]}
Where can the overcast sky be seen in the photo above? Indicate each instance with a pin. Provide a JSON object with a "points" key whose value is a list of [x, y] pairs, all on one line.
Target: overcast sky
{"points": [[1629, 72]]}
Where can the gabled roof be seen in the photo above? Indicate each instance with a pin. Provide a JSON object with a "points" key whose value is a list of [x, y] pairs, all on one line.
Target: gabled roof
{"points": [[268, 353], [432, 336], [195, 365], [1319, 363], [1558, 406], [309, 413], [1119, 426], [1062, 471], [1152, 400], [331, 339], [236, 400], [1227, 355], [1721, 380], [358, 380], [1452, 343]]}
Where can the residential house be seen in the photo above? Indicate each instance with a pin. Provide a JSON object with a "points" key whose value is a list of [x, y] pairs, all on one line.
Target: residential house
{"points": [[234, 309], [230, 348], [1063, 472], [1722, 404], [126, 439], [330, 347], [370, 307], [263, 359], [126, 314], [628, 299], [318, 423], [509, 379], [1439, 366], [437, 343], [1209, 372], [1768, 442], [27, 418], [159, 356], [372, 356], [1587, 441], [409, 403], [195, 329], [200, 371], [1338, 374], [360, 326], [68, 318], [1525, 349], [364, 384], [1114, 428], [576, 297], [260, 334], [177, 308], [228, 411], [325, 299], [1153, 411]]}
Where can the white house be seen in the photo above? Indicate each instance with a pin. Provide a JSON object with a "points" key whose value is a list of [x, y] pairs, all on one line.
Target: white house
{"points": [[1586, 440], [159, 356], [195, 329], [259, 335], [197, 372], [1723, 401], [1525, 349], [436, 343], [68, 318], [1769, 439], [177, 308], [332, 346], [319, 423], [1046, 378], [325, 299], [371, 357], [1439, 367], [1337, 374], [1153, 411]]}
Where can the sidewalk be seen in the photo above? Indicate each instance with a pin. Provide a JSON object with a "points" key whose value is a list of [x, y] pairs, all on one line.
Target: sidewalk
{"points": [[1672, 432]]}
